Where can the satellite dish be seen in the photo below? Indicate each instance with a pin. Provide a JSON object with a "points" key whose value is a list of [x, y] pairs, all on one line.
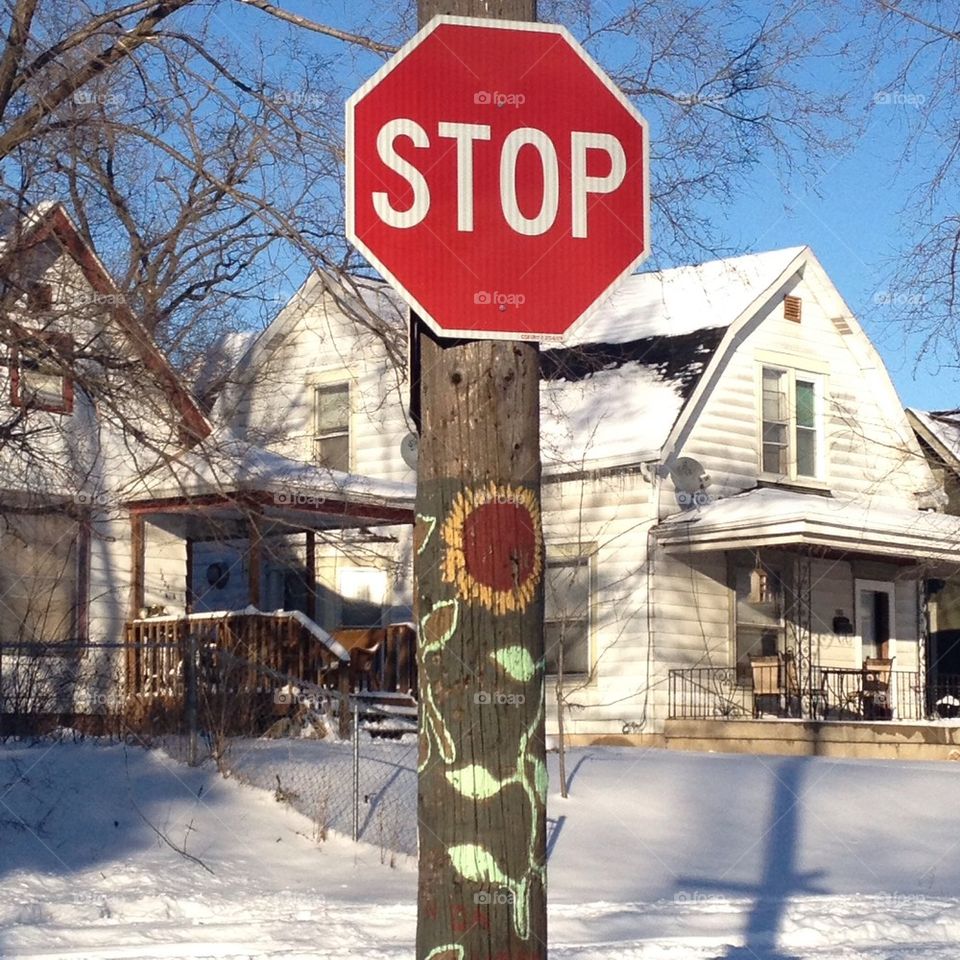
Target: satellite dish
{"points": [[410, 449], [688, 475], [689, 478]]}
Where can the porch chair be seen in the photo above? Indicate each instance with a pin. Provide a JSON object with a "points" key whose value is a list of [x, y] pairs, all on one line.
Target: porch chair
{"points": [[767, 684], [875, 690]]}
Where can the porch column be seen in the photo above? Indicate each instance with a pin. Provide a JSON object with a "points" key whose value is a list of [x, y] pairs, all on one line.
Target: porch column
{"points": [[254, 558], [189, 598], [137, 558], [137, 563], [802, 610], [311, 549]]}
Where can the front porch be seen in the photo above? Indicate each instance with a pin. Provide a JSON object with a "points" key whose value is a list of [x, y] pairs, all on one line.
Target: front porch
{"points": [[228, 609]]}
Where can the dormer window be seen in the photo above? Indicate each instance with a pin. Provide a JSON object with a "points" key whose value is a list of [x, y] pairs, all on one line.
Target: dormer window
{"points": [[38, 380], [791, 424]]}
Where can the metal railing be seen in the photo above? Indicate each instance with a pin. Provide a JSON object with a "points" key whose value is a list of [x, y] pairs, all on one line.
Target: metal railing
{"points": [[723, 693]]}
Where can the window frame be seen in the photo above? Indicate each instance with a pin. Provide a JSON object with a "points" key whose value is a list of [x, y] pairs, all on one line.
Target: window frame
{"points": [[62, 345], [793, 375], [570, 555], [319, 436]]}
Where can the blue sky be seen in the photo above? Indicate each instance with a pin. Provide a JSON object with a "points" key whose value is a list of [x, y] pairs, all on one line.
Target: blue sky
{"points": [[855, 228]]}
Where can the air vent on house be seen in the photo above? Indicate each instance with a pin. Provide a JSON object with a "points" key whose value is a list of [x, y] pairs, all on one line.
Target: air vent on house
{"points": [[791, 308], [841, 326]]}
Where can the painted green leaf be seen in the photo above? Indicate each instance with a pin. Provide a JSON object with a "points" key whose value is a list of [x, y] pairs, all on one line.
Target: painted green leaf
{"points": [[474, 781], [449, 951], [475, 863], [541, 779], [439, 625], [516, 662]]}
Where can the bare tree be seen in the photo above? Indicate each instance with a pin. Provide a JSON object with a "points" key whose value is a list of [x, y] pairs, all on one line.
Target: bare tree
{"points": [[915, 58]]}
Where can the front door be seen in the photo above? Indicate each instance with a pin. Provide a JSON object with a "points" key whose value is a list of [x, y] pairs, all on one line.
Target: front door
{"points": [[875, 623]]}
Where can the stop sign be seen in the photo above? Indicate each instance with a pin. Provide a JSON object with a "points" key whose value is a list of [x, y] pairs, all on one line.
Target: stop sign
{"points": [[496, 178]]}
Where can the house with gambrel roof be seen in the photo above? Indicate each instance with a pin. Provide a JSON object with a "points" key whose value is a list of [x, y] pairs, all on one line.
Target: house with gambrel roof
{"points": [[728, 475]]}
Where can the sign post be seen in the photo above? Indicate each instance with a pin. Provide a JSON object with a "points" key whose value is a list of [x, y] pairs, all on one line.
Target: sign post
{"points": [[497, 178]]}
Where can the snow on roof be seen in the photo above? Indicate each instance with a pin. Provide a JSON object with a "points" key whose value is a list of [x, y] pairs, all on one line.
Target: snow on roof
{"points": [[220, 359], [14, 222], [684, 299], [944, 425], [607, 417], [613, 395], [802, 517], [224, 463]]}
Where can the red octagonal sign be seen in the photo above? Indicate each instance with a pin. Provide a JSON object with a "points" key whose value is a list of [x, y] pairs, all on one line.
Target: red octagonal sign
{"points": [[497, 178]]}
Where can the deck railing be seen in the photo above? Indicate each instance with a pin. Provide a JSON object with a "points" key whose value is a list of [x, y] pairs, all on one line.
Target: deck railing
{"points": [[231, 664], [285, 643], [720, 693]]}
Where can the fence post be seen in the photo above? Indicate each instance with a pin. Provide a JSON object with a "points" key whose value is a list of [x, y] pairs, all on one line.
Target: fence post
{"points": [[343, 684], [356, 769], [190, 672]]}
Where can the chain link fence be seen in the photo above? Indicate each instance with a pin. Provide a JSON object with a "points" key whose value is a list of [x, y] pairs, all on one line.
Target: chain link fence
{"points": [[259, 725]]}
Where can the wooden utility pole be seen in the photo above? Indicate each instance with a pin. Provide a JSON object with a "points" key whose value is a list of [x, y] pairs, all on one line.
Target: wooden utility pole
{"points": [[479, 601]]}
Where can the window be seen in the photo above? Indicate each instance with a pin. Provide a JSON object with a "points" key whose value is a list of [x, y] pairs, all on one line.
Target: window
{"points": [[790, 424], [37, 378], [362, 593], [566, 627], [758, 592], [331, 443], [39, 578]]}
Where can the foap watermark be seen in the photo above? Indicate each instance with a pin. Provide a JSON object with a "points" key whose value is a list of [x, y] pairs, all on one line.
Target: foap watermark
{"points": [[897, 901], [696, 896], [103, 99], [94, 498], [494, 898], [285, 697], [897, 98], [891, 298], [298, 498], [499, 496], [304, 99], [497, 98], [497, 699], [96, 298], [498, 299]]}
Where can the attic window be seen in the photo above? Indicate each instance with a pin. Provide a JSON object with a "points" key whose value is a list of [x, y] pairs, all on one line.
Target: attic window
{"points": [[791, 308], [37, 379]]}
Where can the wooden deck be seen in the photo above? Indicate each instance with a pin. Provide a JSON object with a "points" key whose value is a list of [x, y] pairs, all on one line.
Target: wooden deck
{"points": [[251, 666]]}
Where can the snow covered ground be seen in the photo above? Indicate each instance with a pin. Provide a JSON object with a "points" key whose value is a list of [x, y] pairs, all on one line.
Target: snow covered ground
{"points": [[655, 856]]}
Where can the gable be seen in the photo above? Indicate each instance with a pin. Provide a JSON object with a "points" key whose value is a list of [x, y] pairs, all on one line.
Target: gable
{"points": [[48, 237], [867, 448]]}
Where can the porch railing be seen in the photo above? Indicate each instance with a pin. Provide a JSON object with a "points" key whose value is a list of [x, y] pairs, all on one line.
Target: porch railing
{"points": [[285, 643], [719, 693]]}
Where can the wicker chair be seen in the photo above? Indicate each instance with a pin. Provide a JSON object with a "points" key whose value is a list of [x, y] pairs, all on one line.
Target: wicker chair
{"points": [[875, 703], [768, 687]]}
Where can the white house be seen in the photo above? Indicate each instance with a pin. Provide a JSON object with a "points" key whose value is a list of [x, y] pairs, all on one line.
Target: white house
{"points": [[90, 406], [728, 473]]}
